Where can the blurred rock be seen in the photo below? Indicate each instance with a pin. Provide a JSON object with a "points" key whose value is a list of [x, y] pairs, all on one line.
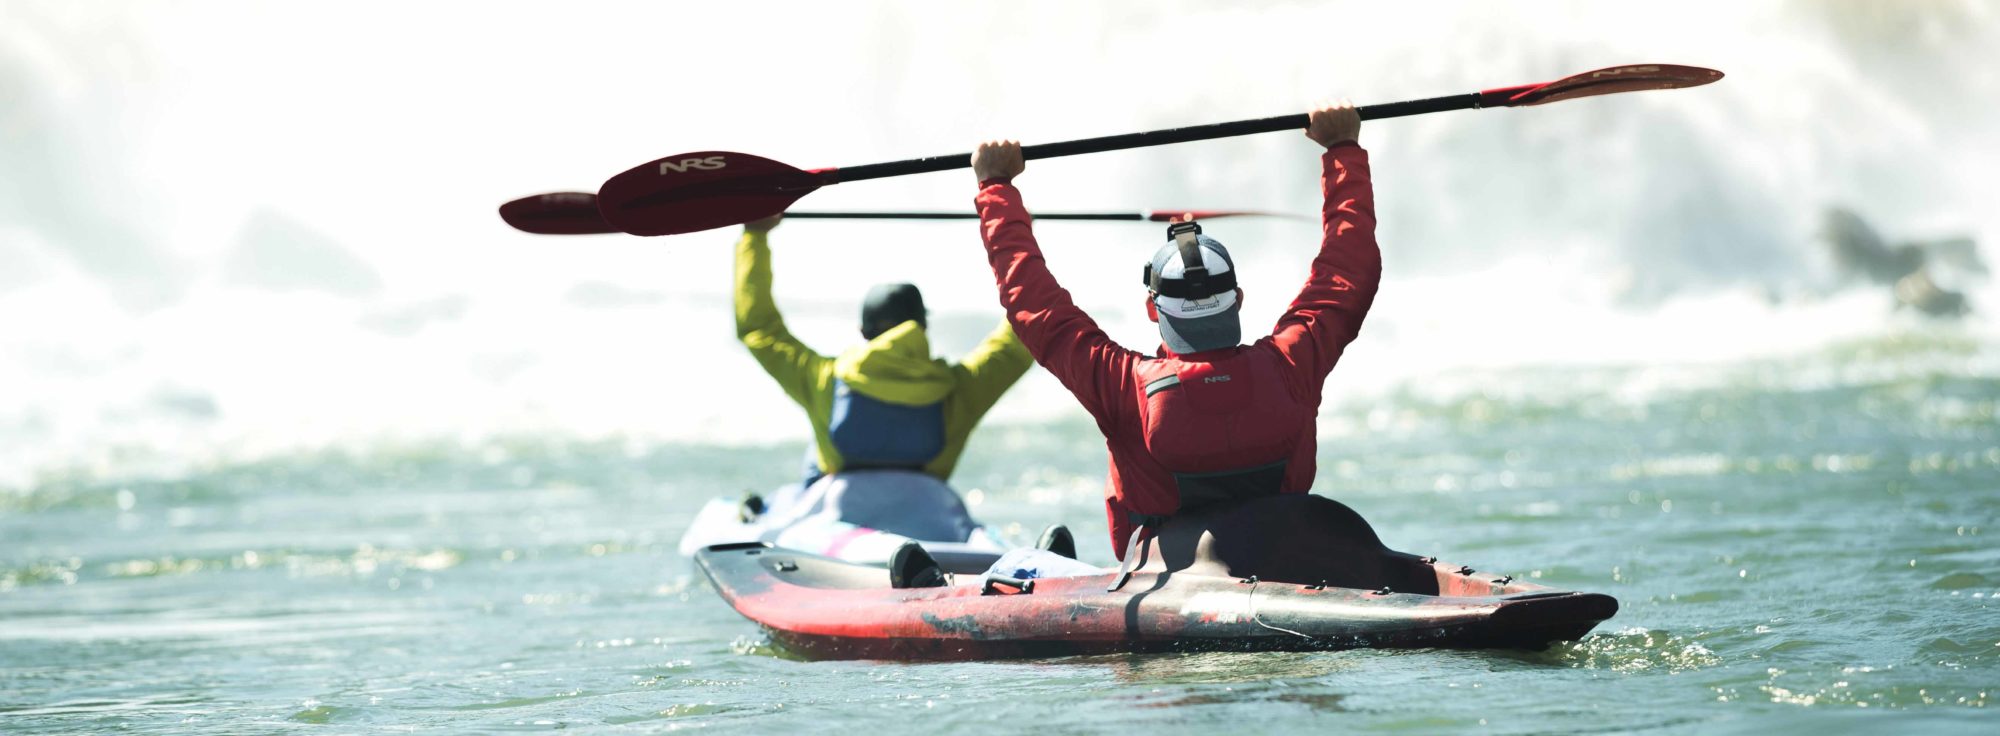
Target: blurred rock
{"points": [[1917, 291], [1859, 250], [1908, 267]]}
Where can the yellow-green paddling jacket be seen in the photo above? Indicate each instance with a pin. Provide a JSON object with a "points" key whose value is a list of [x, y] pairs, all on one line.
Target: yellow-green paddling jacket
{"points": [[895, 368]]}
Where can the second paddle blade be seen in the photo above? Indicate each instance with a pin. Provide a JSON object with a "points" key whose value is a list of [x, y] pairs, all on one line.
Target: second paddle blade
{"points": [[691, 192], [556, 213], [1630, 78]]}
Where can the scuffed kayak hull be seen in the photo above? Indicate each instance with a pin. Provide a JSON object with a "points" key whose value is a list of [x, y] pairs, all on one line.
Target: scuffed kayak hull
{"points": [[821, 608]]}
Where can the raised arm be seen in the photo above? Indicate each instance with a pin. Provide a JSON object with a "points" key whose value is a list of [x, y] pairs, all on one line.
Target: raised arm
{"points": [[1328, 312], [988, 370], [1062, 338], [758, 324]]}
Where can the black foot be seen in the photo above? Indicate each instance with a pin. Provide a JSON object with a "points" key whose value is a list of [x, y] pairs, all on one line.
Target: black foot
{"points": [[753, 507], [1057, 539], [912, 567]]}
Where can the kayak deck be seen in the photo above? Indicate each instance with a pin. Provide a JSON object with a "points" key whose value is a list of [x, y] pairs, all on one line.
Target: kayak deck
{"points": [[821, 608], [857, 515]]}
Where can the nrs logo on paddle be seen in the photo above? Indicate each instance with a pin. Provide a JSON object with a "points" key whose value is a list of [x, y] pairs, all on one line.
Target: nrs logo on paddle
{"points": [[709, 163], [1624, 70]]}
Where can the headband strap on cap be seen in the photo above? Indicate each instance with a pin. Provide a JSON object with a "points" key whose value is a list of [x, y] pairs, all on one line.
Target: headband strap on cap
{"points": [[1195, 281], [1184, 235]]}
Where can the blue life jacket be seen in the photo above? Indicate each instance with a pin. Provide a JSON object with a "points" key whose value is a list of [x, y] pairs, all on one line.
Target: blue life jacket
{"points": [[872, 433]]}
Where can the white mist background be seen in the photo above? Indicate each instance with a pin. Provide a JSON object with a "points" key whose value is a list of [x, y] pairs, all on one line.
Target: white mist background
{"points": [[234, 228]]}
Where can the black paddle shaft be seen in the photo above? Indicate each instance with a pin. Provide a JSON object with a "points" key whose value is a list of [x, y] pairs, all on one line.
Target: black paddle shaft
{"points": [[1112, 216], [1296, 121]]}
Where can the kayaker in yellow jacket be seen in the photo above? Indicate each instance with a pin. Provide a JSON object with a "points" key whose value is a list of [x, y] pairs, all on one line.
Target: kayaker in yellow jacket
{"points": [[886, 403]]}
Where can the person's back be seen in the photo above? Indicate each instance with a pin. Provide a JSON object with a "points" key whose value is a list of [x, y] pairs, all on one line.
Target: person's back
{"points": [[886, 403], [1208, 423]]}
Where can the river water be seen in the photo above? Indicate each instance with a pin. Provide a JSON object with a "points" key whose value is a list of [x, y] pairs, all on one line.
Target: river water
{"points": [[1799, 545]]}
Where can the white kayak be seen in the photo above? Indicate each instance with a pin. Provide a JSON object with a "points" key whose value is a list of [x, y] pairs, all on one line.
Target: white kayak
{"points": [[858, 516]]}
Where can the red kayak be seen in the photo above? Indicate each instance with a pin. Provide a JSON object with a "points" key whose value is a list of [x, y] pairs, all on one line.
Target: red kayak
{"points": [[822, 608]]}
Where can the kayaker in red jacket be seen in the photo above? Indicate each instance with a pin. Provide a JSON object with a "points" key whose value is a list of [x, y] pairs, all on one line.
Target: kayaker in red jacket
{"points": [[1206, 427]]}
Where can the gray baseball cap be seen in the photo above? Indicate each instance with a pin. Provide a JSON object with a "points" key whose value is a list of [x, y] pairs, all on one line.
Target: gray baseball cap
{"points": [[1198, 311]]}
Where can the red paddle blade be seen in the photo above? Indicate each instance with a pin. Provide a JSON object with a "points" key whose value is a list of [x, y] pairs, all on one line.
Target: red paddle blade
{"points": [[698, 191], [556, 213], [1630, 78]]}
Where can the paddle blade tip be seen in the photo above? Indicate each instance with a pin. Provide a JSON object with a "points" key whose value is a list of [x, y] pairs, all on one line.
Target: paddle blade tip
{"points": [[556, 213], [1609, 80]]}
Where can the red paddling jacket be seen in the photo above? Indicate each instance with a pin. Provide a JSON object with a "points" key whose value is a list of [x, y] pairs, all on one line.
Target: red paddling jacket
{"points": [[1185, 429]]}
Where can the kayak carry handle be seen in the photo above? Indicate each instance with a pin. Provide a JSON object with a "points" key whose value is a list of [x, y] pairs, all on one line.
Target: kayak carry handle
{"points": [[990, 585]]}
